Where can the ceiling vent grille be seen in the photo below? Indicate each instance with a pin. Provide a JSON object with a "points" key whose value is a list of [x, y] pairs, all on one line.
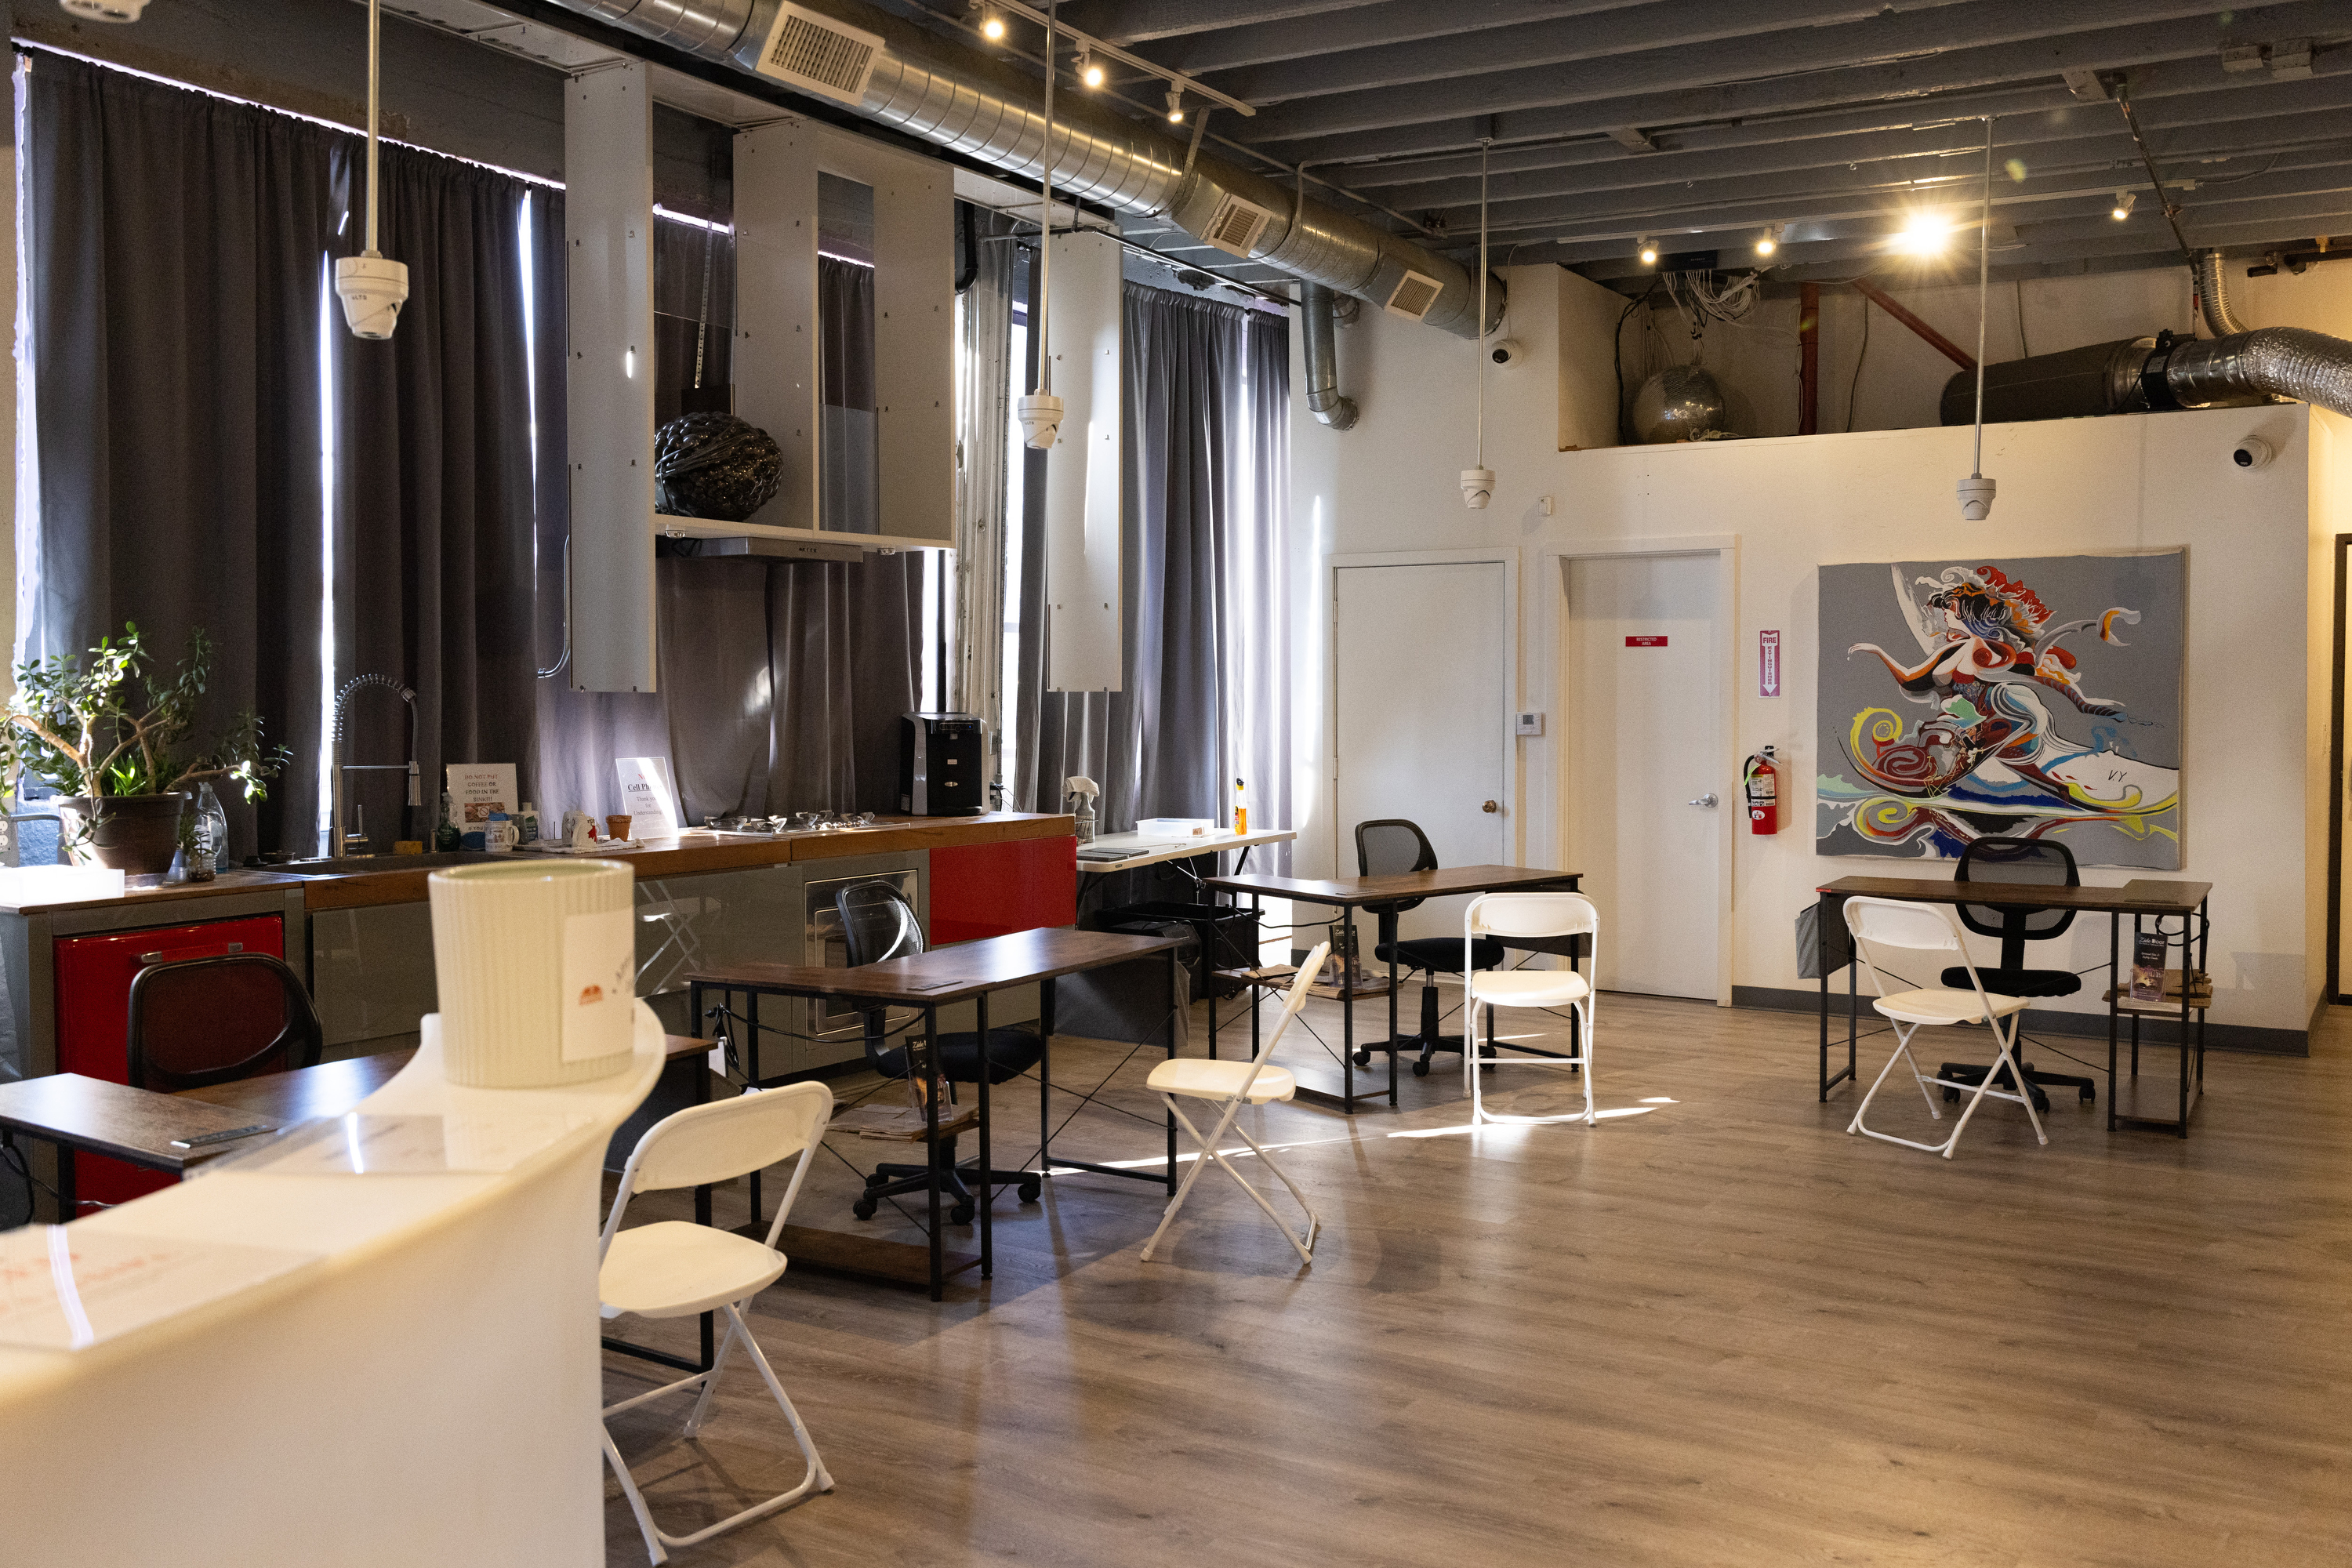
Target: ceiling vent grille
{"points": [[819, 55], [1235, 226], [1414, 295]]}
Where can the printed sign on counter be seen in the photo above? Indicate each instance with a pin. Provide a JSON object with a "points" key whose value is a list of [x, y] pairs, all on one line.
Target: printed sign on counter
{"points": [[475, 790], [649, 796], [600, 972], [66, 1287]]}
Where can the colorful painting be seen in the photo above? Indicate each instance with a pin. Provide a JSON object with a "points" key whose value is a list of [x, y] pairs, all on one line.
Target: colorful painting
{"points": [[2034, 697]]}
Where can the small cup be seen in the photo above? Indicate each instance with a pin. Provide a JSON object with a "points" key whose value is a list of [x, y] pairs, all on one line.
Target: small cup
{"points": [[616, 828]]}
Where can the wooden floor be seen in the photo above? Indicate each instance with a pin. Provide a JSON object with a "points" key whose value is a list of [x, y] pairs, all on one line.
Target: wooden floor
{"points": [[1715, 1329]]}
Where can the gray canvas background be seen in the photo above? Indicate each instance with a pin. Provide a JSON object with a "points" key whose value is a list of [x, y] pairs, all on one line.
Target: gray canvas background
{"points": [[1859, 604]]}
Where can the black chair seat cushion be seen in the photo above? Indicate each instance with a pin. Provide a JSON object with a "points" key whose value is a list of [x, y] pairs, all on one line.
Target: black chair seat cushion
{"points": [[1441, 954], [1011, 1052], [2016, 981]]}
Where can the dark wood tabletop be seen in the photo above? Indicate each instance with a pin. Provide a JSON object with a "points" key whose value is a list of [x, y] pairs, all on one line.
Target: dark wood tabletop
{"points": [[133, 1124], [328, 1090], [946, 974], [2134, 897], [1347, 891]]}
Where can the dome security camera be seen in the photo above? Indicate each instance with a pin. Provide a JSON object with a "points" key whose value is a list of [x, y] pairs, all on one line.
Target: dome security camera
{"points": [[1477, 487], [2251, 452], [1509, 351]]}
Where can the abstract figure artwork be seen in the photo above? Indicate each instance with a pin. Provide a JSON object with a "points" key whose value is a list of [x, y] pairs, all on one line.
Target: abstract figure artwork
{"points": [[2036, 697]]}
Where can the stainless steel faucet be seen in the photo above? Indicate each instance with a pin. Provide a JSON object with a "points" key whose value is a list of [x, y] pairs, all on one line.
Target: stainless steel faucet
{"points": [[340, 842]]}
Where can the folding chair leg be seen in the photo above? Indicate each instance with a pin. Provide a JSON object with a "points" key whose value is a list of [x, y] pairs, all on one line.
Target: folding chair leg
{"points": [[637, 1499], [1305, 1240], [710, 1384], [1184, 1188]]}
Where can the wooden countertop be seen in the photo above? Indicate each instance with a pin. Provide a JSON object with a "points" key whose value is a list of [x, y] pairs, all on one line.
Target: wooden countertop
{"points": [[686, 855]]}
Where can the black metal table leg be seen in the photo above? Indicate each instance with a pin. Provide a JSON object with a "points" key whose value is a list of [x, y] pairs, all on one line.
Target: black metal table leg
{"points": [[1045, 1080], [1174, 1018], [1348, 1014], [751, 1073], [2115, 1007], [987, 1259], [931, 1140], [68, 1198], [1392, 1022]]}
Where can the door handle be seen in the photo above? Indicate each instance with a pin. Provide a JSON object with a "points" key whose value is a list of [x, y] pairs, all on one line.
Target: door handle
{"points": [[1490, 808], [1707, 801]]}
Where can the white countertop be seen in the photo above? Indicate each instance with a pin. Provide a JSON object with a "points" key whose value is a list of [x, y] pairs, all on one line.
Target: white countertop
{"points": [[1145, 851]]}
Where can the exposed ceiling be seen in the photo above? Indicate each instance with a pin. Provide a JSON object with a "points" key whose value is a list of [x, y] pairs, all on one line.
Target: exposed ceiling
{"points": [[1699, 122]]}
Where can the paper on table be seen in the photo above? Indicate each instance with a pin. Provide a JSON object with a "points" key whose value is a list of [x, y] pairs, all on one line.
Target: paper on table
{"points": [[66, 1286], [362, 1145]]}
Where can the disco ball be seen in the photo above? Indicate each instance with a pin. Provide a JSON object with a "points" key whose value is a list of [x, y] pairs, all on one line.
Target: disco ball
{"points": [[715, 466], [1681, 403]]}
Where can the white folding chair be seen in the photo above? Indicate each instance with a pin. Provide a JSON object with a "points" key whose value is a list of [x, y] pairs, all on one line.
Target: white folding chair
{"points": [[1234, 1085], [673, 1270], [1528, 915], [1923, 928]]}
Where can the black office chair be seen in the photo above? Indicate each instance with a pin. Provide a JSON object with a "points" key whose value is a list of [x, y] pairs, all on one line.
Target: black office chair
{"points": [[1383, 848], [876, 923], [2038, 862], [203, 1021]]}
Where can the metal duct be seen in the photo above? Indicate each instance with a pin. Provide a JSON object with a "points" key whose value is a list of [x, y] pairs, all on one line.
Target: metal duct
{"points": [[2161, 373], [2212, 302], [973, 106], [1323, 399]]}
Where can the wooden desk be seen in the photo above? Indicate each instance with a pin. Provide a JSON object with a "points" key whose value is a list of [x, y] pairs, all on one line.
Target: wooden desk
{"points": [[968, 972], [2143, 900], [1348, 894]]}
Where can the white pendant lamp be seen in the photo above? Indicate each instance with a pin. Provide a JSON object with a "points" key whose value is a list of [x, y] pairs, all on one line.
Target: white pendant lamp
{"points": [[373, 289], [1040, 412], [1975, 492], [1478, 482]]}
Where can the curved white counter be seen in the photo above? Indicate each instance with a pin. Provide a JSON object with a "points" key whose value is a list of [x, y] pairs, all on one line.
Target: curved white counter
{"points": [[427, 1391]]}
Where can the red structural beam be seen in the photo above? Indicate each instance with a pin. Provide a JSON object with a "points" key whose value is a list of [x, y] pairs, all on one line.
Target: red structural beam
{"points": [[1808, 341], [1942, 344]]}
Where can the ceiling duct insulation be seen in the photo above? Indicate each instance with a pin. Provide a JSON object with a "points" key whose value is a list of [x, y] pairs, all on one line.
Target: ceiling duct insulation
{"points": [[985, 110], [2141, 374]]}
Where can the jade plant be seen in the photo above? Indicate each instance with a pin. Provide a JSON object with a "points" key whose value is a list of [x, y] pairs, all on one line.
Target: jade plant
{"points": [[105, 724]]}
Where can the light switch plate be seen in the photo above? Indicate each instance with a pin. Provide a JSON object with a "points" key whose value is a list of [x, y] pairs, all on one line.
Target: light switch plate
{"points": [[1527, 724]]}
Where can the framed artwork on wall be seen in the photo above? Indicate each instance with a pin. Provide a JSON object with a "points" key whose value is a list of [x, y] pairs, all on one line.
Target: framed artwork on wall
{"points": [[2013, 697]]}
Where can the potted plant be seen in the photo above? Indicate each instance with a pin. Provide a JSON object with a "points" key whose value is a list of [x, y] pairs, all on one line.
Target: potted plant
{"points": [[115, 737]]}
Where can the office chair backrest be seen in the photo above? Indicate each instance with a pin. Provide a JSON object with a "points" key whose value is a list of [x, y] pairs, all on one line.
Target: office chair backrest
{"points": [[2037, 862], [1386, 846], [203, 1021], [876, 923], [726, 1138]]}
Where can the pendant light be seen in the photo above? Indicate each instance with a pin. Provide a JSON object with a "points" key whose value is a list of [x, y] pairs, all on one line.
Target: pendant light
{"points": [[1478, 483], [1040, 412], [373, 289], [1976, 490]]}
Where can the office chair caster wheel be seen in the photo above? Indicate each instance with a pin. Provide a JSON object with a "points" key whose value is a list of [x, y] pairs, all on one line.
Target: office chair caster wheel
{"points": [[1420, 1070], [1363, 1059], [1952, 1097], [960, 1215], [2089, 1094], [864, 1208], [1031, 1191]]}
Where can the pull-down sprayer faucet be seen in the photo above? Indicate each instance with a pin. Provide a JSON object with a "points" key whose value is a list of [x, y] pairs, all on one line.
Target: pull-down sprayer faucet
{"points": [[338, 840]]}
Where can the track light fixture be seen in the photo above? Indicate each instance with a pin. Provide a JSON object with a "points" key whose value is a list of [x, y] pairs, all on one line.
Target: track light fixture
{"points": [[1649, 251], [1923, 235], [1175, 106], [1089, 72], [2123, 200], [1769, 240]]}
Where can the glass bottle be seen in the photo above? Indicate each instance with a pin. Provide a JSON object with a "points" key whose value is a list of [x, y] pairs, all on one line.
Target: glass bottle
{"points": [[212, 824], [445, 837]]}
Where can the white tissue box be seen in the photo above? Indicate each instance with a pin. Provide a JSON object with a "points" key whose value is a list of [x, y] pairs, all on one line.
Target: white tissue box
{"points": [[1176, 827]]}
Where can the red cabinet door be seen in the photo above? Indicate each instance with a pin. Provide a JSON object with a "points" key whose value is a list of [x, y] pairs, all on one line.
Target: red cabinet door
{"points": [[996, 889], [93, 1015]]}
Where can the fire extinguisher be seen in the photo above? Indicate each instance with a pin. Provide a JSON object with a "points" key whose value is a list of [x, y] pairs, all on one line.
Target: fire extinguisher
{"points": [[1761, 781]]}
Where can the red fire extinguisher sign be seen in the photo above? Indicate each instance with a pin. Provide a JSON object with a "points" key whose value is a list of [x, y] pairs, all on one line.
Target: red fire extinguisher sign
{"points": [[1761, 781]]}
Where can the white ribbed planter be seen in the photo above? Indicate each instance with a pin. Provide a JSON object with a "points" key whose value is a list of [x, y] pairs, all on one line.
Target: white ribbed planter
{"points": [[535, 967]]}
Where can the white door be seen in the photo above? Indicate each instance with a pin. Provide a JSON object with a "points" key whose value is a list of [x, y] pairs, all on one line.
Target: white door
{"points": [[1643, 743], [1423, 659]]}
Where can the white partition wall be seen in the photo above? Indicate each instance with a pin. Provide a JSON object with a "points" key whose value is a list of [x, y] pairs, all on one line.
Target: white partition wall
{"points": [[608, 226], [1082, 473]]}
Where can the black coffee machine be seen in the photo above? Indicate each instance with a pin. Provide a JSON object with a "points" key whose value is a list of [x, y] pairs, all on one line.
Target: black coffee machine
{"points": [[942, 765]]}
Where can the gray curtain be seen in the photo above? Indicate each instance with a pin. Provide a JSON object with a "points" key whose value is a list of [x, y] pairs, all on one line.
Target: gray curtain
{"points": [[176, 245], [434, 480], [1204, 638], [849, 490]]}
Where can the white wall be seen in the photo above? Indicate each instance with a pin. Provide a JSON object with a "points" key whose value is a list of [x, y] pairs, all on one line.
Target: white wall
{"points": [[1798, 503]]}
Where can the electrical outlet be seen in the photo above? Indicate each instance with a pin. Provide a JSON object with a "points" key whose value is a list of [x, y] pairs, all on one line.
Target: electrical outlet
{"points": [[1527, 724]]}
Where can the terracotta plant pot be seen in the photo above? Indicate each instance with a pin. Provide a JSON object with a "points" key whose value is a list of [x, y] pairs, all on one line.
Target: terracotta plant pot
{"points": [[136, 834]]}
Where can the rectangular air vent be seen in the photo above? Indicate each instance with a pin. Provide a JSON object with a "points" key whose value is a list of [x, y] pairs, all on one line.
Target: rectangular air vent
{"points": [[819, 55], [1236, 225], [1414, 295]]}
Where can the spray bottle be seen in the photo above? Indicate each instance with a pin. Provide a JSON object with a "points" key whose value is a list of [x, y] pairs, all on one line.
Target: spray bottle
{"points": [[1082, 794]]}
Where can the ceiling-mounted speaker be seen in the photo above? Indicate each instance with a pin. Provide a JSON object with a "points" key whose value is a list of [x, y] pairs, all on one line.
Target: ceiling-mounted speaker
{"points": [[1414, 295], [1235, 226], [816, 54]]}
